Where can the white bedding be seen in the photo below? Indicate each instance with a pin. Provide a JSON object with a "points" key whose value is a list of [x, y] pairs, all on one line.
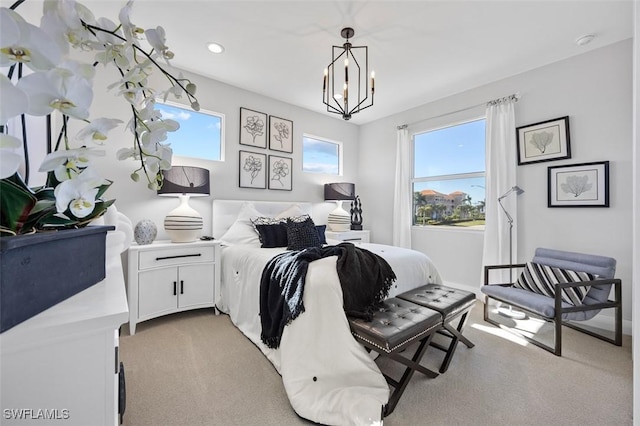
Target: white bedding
{"points": [[328, 376]]}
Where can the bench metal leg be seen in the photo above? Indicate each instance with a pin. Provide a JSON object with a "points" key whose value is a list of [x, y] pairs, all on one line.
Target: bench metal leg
{"points": [[412, 366]]}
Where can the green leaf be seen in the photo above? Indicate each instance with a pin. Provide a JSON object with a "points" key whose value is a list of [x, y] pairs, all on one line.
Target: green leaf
{"points": [[16, 204]]}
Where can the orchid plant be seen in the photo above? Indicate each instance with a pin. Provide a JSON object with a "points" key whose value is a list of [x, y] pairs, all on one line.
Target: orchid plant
{"points": [[57, 84]]}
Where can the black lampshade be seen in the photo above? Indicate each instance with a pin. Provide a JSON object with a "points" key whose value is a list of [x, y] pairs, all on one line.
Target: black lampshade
{"points": [[339, 191], [185, 180]]}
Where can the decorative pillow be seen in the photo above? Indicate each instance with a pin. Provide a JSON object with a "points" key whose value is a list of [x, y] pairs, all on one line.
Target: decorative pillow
{"points": [[302, 235], [543, 279], [321, 229], [263, 220], [242, 231], [272, 235]]}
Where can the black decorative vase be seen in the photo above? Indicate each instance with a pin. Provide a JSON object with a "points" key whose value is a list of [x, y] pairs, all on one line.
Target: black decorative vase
{"points": [[40, 270], [356, 214]]}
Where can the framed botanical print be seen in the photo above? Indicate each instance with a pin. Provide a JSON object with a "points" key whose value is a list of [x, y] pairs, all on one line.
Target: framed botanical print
{"points": [[579, 185], [545, 141], [253, 128], [280, 134], [253, 170], [280, 171]]}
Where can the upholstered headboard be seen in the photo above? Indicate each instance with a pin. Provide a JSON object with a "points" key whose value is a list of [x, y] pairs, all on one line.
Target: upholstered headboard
{"points": [[225, 212]]}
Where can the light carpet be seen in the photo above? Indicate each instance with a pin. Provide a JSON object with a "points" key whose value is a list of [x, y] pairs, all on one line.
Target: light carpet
{"points": [[195, 368]]}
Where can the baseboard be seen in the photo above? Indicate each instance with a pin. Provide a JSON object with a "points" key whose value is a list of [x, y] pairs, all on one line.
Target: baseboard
{"points": [[601, 321]]}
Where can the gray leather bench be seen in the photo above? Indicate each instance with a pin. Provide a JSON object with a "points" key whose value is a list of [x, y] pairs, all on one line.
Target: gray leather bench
{"points": [[452, 304], [395, 326]]}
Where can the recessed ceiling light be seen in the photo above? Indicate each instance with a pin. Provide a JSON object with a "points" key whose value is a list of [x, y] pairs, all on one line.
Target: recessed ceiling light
{"points": [[215, 47], [585, 39]]}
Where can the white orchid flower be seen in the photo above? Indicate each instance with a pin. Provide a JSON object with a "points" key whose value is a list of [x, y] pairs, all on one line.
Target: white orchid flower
{"points": [[156, 131], [130, 30], [124, 153], [79, 194], [25, 43], [65, 18], [158, 160], [97, 130], [58, 89], [18, 104], [9, 158], [67, 164], [157, 40]]}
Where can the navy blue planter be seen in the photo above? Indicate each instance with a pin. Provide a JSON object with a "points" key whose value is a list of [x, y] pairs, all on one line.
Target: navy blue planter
{"points": [[40, 270]]}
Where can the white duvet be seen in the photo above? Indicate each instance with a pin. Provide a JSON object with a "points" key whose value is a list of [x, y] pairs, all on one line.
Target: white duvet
{"points": [[328, 376]]}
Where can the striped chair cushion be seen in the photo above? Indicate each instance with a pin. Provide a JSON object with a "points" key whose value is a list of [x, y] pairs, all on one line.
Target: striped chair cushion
{"points": [[542, 279]]}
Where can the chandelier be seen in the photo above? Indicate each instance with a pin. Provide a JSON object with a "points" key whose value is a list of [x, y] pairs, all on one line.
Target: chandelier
{"points": [[352, 94]]}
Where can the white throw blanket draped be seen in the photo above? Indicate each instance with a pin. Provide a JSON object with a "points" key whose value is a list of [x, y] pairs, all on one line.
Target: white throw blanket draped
{"points": [[328, 376]]}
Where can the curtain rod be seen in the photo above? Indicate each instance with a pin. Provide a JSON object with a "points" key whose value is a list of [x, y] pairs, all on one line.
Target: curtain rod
{"points": [[515, 97]]}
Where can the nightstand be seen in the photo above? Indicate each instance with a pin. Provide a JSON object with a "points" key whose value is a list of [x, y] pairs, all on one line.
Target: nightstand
{"points": [[166, 277], [350, 236]]}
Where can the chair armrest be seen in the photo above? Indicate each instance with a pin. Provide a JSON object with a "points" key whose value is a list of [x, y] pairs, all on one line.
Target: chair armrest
{"points": [[488, 268], [604, 281]]}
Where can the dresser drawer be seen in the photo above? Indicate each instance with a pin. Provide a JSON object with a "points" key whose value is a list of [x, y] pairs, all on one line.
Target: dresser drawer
{"points": [[174, 256]]}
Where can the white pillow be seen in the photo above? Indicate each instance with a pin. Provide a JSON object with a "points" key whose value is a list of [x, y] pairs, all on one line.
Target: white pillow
{"points": [[293, 210], [242, 230]]}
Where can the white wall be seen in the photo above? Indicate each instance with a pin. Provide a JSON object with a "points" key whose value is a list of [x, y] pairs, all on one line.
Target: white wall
{"points": [[594, 90], [137, 202], [636, 209]]}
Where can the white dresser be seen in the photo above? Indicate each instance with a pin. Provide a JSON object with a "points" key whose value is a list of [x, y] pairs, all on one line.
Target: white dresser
{"points": [[61, 366]]}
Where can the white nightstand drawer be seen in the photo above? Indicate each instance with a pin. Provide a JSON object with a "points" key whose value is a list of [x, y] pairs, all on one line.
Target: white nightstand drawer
{"points": [[175, 256]]}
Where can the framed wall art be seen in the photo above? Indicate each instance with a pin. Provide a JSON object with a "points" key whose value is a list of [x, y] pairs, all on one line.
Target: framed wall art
{"points": [[280, 171], [253, 128], [280, 134], [579, 185], [545, 141], [253, 170]]}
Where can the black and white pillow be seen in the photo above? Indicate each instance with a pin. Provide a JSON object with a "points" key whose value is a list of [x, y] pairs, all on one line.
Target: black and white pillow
{"points": [[302, 234], [542, 279]]}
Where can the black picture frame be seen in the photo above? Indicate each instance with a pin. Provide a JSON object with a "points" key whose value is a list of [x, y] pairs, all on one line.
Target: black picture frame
{"points": [[579, 185], [253, 128], [280, 134], [280, 173], [544, 141], [252, 170]]}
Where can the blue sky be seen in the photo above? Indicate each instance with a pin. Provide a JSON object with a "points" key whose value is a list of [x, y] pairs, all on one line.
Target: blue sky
{"points": [[452, 150], [199, 133], [320, 156]]}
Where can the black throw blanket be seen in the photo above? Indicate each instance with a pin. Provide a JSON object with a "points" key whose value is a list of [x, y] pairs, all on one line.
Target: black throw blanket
{"points": [[365, 279]]}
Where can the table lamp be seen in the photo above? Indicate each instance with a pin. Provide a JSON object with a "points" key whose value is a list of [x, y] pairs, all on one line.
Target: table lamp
{"points": [[184, 224], [339, 220]]}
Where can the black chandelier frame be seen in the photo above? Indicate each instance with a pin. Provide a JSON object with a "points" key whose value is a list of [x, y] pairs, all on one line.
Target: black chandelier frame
{"points": [[339, 105]]}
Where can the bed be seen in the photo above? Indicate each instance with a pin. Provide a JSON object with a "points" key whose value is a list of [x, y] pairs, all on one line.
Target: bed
{"points": [[328, 376]]}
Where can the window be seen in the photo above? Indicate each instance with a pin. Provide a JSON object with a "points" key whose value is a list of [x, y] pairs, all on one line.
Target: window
{"points": [[448, 176], [200, 135], [321, 156]]}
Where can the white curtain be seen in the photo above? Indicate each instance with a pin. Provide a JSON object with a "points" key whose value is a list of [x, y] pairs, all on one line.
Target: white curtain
{"points": [[402, 198], [500, 177]]}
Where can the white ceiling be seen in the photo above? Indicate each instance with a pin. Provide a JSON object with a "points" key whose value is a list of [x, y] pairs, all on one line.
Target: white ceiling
{"points": [[420, 50]]}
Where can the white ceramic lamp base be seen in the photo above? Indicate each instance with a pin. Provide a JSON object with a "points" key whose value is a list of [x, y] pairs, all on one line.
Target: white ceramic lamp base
{"points": [[183, 224], [339, 220]]}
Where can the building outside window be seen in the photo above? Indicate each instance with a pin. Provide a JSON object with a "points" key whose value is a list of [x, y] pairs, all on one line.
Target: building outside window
{"points": [[449, 176]]}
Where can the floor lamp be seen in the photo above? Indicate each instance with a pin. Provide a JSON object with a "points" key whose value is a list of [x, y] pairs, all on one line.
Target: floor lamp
{"points": [[513, 190]]}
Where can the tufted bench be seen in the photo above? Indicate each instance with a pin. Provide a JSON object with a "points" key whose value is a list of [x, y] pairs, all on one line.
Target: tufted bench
{"points": [[396, 325], [451, 303]]}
